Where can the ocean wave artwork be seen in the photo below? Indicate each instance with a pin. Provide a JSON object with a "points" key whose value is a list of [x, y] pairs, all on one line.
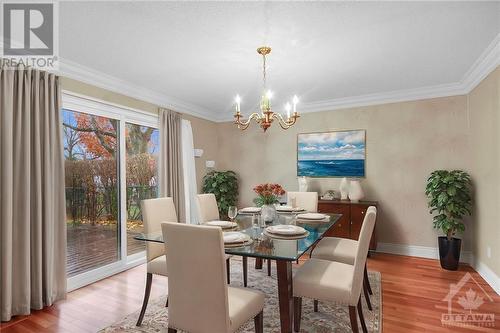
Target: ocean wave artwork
{"points": [[331, 154]]}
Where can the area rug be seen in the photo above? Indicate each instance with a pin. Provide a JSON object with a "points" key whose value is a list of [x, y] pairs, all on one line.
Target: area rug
{"points": [[330, 318]]}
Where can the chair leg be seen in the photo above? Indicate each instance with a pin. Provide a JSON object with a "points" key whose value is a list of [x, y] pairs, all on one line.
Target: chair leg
{"points": [[367, 282], [228, 271], [297, 309], [316, 302], [166, 303], [367, 297], [245, 271], [354, 319], [259, 322], [172, 330], [147, 291], [361, 317], [268, 267]]}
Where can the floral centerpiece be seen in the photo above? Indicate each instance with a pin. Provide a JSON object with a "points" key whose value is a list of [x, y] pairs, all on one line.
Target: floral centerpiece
{"points": [[267, 196]]}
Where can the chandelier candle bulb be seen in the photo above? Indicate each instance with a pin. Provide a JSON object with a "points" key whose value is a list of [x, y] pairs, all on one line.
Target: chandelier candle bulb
{"points": [[288, 108]]}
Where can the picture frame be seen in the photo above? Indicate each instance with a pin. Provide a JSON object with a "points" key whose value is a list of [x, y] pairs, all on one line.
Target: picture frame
{"points": [[332, 154]]}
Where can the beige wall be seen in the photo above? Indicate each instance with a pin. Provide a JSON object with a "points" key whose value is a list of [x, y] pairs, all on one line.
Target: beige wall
{"points": [[405, 142], [204, 131], [484, 107]]}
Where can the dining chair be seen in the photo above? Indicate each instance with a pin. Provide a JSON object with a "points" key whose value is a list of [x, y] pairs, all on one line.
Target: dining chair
{"points": [[342, 250], [209, 211], [304, 200], [200, 299], [155, 211], [333, 281]]}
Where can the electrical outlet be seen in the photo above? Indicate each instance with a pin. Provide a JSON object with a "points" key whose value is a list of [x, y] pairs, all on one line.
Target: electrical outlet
{"points": [[488, 251]]}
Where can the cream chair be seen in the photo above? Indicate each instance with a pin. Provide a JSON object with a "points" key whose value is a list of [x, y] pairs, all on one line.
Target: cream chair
{"points": [[342, 250], [305, 200], [209, 211], [200, 299], [155, 211], [336, 282]]}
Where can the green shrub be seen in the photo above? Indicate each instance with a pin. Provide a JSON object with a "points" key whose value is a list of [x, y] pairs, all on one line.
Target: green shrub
{"points": [[224, 184]]}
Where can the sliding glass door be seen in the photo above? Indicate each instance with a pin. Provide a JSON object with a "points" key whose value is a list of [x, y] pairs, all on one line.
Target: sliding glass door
{"points": [[142, 145], [111, 158]]}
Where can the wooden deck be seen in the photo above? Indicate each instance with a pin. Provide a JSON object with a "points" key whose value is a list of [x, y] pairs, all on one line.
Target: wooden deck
{"points": [[91, 247]]}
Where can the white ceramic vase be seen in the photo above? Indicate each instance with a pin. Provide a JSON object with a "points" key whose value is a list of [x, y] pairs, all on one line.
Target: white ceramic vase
{"points": [[344, 189], [355, 191], [303, 185], [268, 213]]}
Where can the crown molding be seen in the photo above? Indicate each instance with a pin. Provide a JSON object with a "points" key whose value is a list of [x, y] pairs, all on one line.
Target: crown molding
{"points": [[488, 61], [99, 79]]}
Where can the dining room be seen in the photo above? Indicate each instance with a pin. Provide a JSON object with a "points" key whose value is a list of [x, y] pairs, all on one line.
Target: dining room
{"points": [[214, 167]]}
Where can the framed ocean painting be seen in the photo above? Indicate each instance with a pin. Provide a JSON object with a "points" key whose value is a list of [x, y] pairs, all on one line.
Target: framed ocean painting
{"points": [[331, 154]]}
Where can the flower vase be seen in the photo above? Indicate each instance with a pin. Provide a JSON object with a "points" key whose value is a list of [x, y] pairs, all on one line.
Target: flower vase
{"points": [[344, 189], [268, 213], [303, 185], [355, 191]]}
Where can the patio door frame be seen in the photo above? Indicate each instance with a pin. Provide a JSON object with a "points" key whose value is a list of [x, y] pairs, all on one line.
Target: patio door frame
{"points": [[123, 115]]}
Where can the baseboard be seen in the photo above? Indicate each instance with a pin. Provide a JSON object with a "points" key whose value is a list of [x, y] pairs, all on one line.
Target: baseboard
{"points": [[488, 275], [432, 253], [418, 251]]}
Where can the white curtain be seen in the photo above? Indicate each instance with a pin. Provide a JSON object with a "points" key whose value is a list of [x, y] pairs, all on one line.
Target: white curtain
{"points": [[190, 187]]}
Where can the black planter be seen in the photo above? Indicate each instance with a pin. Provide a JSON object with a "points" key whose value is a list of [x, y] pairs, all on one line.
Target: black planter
{"points": [[449, 252]]}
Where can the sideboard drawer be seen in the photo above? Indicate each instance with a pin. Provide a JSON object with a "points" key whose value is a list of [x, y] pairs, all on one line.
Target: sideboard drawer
{"points": [[342, 227]]}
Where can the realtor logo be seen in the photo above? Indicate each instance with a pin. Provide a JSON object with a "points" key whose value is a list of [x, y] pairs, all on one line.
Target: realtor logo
{"points": [[464, 303], [29, 34]]}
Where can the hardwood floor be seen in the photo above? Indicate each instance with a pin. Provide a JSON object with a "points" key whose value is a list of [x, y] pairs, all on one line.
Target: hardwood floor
{"points": [[413, 293]]}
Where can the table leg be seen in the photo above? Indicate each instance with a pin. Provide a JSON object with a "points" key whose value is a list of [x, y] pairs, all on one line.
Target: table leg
{"points": [[258, 263], [285, 294]]}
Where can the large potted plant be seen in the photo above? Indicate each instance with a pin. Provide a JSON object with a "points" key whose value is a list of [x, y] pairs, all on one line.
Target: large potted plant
{"points": [[224, 185], [267, 196], [449, 194]]}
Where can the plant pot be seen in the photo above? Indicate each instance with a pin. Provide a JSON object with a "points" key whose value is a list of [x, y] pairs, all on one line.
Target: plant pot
{"points": [[449, 252], [268, 213]]}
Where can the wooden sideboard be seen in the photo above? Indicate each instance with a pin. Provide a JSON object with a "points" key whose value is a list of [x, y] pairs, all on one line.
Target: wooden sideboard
{"points": [[351, 221]]}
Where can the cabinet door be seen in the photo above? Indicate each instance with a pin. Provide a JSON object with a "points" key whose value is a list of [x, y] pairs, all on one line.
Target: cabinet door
{"points": [[358, 213], [342, 227]]}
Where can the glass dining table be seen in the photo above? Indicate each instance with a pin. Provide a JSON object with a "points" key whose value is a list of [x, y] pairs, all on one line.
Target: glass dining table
{"points": [[283, 251]]}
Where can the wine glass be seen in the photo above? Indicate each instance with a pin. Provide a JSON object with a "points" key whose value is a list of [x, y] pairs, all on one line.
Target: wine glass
{"points": [[232, 212]]}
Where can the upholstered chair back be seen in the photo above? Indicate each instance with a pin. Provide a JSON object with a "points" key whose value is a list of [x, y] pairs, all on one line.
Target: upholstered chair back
{"points": [[362, 252], [207, 207], [197, 288], [305, 200], [155, 211]]}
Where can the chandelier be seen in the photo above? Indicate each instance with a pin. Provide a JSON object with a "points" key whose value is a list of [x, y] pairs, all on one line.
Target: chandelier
{"points": [[266, 116]]}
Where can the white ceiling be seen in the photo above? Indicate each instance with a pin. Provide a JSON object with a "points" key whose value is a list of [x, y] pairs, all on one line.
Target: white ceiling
{"points": [[198, 55]]}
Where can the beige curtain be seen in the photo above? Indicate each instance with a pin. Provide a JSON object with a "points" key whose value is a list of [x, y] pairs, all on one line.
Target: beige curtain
{"points": [[171, 172], [32, 204]]}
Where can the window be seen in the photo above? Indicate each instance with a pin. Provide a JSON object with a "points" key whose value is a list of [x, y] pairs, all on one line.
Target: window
{"points": [[142, 143], [111, 158]]}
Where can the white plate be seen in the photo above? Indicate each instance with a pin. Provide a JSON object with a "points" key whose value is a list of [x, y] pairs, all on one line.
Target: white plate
{"points": [[288, 209], [312, 216], [232, 237], [222, 224], [250, 210], [286, 229]]}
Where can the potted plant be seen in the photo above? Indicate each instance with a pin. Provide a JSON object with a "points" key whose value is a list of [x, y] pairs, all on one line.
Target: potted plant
{"points": [[449, 194], [224, 185], [268, 195]]}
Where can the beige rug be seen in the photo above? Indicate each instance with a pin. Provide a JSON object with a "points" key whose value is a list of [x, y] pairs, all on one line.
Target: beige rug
{"points": [[330, 318]]}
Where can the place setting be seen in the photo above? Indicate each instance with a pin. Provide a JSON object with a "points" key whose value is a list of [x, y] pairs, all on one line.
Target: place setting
{"points": [[236, 239], [312, 218], [289, 209], [286, 231], [250, 210], [225, 225]]}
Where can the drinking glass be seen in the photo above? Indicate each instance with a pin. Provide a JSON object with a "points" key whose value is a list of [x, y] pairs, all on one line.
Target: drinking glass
{"points": [[232, 212]]}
